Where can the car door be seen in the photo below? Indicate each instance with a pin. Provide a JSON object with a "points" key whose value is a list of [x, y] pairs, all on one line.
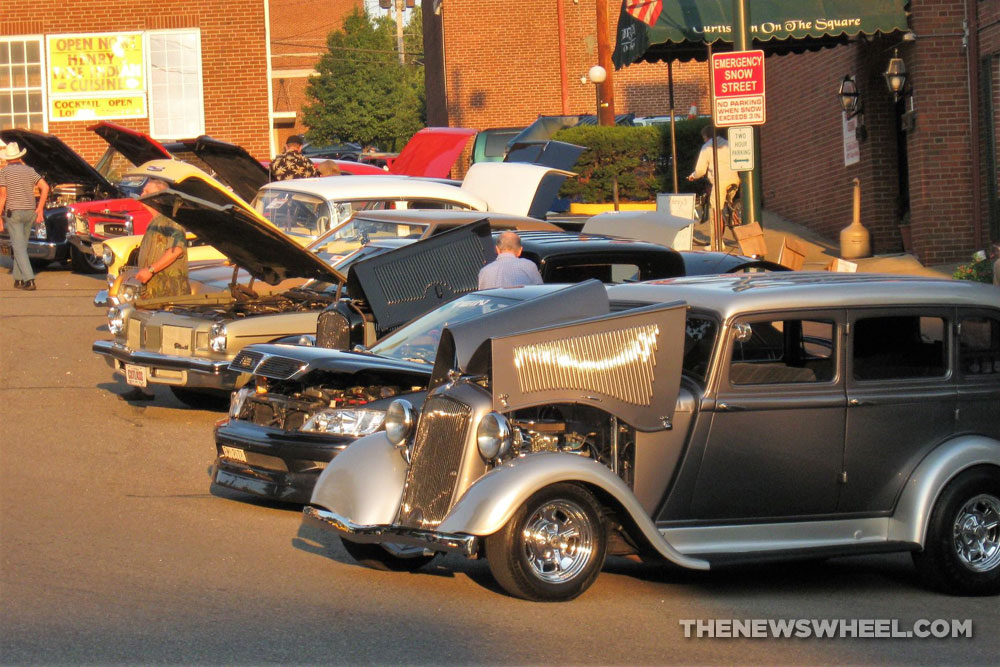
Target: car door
{"points": [[901, 400], [775, 442], [979, 372]]}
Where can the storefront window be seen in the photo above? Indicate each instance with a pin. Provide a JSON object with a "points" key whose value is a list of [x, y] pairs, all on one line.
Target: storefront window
{"points": [[176, 105], [21, 103]]}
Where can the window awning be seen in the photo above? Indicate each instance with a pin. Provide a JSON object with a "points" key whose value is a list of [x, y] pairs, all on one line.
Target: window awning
{"points": [[654, 30]]}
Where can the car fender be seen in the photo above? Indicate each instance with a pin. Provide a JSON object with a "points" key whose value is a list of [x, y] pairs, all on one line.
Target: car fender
{"points": [[492, 500], [363, 483], [916, 502]]}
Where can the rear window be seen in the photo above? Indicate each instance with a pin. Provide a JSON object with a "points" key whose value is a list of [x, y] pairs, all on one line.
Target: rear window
{"points": [[899, 347], [979, 346]]}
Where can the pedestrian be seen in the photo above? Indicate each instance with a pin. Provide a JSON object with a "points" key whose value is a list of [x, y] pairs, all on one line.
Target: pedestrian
{"points": [[509, 269], [20, 210], [162, 261], [292, 163], [705, 167]]}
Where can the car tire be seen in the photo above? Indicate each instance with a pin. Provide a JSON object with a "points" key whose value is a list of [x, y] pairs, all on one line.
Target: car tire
{"points": [[558, 568], [202, 400], [81, 262], [376, 557], [961, 553]]}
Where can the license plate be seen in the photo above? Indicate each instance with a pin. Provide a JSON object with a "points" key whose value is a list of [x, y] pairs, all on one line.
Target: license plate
{"points": [[136, 375], [5, 250], [234, 454]]}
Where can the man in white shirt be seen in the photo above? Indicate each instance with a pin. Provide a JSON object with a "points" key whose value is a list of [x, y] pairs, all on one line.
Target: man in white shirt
{"points": [[705, 167], [509, 269]]}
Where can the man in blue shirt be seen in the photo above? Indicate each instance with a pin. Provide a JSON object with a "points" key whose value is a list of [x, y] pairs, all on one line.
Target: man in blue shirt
{"points": [[509, 269]]}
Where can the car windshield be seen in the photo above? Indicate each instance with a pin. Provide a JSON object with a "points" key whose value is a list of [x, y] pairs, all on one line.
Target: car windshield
{"points": [[343, 265], [418, 340], [295, 213], [358, 231]]}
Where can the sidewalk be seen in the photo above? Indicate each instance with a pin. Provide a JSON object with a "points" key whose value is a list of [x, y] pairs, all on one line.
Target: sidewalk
{"points": [[820, 251]]}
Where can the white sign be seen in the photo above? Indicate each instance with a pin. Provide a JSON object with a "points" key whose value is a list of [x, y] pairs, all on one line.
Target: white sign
{"points": [[852, 150], [741, 148]]}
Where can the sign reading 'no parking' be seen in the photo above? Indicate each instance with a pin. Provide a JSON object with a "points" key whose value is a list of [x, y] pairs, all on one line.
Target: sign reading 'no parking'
{"points": [[738, 84]]}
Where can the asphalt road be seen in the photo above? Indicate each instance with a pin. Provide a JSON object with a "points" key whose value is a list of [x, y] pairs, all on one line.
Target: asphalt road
{"points": [[114, 548]]}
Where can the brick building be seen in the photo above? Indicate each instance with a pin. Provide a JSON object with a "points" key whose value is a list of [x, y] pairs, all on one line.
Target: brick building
{"points": [[174, 70]]}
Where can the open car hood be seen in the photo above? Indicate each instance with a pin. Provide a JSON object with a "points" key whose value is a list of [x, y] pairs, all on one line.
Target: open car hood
{"points": [[407, 282], [247, 239], [515, 188], [432, 152], [58, 163], [232, 165], [463, 347], [555, 154], [626, 364], [135, 146]]}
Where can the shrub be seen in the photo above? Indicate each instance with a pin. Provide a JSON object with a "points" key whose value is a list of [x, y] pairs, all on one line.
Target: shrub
{"points": [[978, 270], [638, 156]]}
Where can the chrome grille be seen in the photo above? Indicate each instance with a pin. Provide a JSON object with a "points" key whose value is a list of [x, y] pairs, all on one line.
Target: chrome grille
{"points": [[456, 265], [132, 334], [437, 454], [112, 229], [279, 368], [333, 331], [275, 412], [246, 361], [619, 364]]}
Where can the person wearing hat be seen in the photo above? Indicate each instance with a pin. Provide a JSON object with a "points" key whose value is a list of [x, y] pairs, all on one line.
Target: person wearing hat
{"points": [[20, 211], [292, 163]]}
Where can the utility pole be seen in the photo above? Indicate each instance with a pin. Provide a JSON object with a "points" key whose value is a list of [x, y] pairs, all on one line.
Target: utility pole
{"points": [[749, 180], [399, 31], [606, 106]]}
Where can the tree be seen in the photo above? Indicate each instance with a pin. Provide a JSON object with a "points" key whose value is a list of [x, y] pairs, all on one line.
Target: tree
{"points": [[361, 92]]}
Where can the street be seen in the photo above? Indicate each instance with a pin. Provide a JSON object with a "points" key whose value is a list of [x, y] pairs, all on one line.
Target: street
{"points": [[114, 548]]}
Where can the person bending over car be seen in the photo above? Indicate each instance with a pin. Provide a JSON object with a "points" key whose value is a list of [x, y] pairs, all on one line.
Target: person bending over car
{"points": [[163, 261]]}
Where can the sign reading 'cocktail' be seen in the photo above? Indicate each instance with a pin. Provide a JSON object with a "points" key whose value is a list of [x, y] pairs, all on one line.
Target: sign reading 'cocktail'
{"points": [[738, 86]]}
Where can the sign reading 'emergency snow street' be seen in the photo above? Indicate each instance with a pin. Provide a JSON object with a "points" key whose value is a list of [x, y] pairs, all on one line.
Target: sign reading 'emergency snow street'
{"points": [[738, 83]]}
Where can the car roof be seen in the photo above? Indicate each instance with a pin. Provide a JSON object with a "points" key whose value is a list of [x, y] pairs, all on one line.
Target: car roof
{"points": [[546, 243], [451, 217], [388, 186], [730, 294]]}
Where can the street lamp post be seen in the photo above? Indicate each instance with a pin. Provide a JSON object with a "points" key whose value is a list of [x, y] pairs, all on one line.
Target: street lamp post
{"points": [[597, 76]]}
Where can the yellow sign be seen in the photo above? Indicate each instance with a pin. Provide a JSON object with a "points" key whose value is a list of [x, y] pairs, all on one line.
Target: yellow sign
{"points": [[97, 108], [96, 76]]}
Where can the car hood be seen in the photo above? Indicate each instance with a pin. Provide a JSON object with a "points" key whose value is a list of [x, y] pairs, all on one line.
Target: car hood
{"points": [[58, 163], [232, 165], [555, 154], [308, 359], [432, 152], [626, 364], [407, 282], [135, 146], [515, 188], [247, 239]]}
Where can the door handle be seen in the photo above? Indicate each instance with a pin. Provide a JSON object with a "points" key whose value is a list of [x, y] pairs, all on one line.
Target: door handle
{"points": [[856, 402], [725, 407]]}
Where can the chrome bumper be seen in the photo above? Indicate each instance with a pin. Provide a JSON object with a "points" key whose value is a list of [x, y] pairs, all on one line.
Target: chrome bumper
{"points": [[84, 244], [41, 249], [101, 299], [411, 537], [201, 373]]}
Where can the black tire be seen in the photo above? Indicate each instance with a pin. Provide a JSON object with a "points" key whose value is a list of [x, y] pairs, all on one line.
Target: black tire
{"points": [[377, 558], [81, 262], [527, 568], [202, 400], [961, 554], [38, 264]]}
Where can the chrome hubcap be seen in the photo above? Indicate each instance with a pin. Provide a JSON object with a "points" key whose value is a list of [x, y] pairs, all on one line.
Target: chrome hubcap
{"points": [[976, 533], [558, 541]]}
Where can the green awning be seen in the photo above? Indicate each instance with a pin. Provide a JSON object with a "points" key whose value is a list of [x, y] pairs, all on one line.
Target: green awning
{"points": [[653, 30]]}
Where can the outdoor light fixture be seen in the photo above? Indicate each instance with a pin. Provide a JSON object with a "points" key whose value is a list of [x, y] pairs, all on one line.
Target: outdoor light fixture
{"points": [[895, 75], [849, 99], [597, 76]]}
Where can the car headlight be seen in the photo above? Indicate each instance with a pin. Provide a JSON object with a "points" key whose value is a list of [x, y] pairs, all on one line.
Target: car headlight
{"points": [[116, 321], [77, 224], [345, 422], [493, 436], [127, 293], [399, 421], [108, 255], [237, 399], [217, 337]]}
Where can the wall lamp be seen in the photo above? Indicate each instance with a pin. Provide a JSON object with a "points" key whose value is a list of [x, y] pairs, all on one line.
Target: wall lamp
{"points": [[895, 75], [850, 103]]}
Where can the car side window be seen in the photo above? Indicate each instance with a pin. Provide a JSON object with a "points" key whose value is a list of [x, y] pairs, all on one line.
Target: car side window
{"points": [[899, 347], [606, 273], [979, 346], [783, 351]]}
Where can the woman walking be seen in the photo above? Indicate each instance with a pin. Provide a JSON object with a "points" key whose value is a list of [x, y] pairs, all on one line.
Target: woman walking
{"points": [[17, 202]]}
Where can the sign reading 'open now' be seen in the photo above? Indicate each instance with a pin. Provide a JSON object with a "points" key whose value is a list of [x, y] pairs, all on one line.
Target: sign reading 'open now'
{"points": [[738, 84]]}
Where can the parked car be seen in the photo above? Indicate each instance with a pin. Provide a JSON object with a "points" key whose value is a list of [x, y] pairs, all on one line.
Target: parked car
{"points": [[279, 438], [430, 153], [721, 420], [187, 342]]}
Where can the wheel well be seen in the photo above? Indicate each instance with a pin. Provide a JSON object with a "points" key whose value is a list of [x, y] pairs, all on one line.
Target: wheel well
{"points": [[620, 524]]}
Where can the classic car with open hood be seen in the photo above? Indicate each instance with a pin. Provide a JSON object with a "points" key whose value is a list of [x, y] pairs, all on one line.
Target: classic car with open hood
{"points": [[187, 342], [718, 420]]}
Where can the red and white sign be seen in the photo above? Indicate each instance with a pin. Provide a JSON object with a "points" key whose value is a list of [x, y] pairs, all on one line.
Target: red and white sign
{"points": [[738, 85]]}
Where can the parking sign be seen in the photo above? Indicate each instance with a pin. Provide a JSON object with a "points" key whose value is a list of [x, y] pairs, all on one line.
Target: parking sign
{"points": [[738, 87]]}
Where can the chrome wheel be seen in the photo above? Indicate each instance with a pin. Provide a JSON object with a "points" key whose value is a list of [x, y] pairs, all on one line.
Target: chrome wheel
{"points": [[976, 533], [558, 541]]}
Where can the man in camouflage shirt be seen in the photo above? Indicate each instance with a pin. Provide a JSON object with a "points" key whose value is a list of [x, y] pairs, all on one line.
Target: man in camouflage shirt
{"points": [[163, 262], [292, 163]]}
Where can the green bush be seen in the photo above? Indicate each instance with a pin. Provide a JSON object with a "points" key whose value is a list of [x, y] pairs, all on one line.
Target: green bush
{"points": [[978, 270], [638, 156]]}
